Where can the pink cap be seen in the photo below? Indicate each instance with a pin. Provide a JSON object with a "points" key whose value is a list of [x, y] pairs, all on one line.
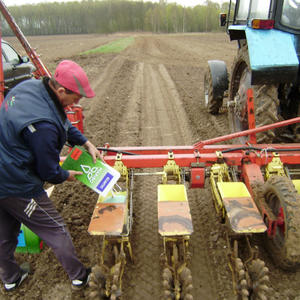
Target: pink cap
{"points": [[71, 76]]}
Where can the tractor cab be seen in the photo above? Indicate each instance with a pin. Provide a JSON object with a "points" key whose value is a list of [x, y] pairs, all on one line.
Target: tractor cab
{"points": [[246, 9], [267, 14], [289, 16], [267, 62]]}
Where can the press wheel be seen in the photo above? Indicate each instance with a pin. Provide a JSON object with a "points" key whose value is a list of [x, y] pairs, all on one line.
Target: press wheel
{"points": [[284, 202]]}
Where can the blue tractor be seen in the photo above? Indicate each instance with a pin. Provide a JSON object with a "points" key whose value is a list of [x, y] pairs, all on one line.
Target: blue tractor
{"points": [[268, 36]]}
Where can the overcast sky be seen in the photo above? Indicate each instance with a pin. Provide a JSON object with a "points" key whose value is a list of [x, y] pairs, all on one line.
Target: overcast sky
{"points": [[181, 2]]}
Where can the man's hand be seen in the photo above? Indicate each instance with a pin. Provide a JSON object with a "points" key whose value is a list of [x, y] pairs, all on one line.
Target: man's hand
{"points": [[93, 151], [72, 174]]}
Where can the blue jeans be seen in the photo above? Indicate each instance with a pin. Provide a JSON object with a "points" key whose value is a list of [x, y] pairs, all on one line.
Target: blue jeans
{"points": [[40, 216]]}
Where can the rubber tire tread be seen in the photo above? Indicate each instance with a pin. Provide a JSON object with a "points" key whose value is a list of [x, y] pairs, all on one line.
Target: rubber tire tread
{"points": [[266, 103], [286, 257], [214, 103], [265, 98]]}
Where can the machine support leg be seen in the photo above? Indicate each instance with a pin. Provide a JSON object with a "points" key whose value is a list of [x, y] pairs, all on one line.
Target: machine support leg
{"points": [[251, 115]]}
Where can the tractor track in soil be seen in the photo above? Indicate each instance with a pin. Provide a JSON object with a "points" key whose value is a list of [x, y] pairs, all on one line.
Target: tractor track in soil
{"points": [[149, 95]]}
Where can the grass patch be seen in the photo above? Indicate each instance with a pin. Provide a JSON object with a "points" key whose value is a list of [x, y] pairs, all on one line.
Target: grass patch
{"points": [[113, 47]]}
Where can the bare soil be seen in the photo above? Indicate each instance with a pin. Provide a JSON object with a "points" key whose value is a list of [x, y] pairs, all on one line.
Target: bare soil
{"points": [[150, 94]]}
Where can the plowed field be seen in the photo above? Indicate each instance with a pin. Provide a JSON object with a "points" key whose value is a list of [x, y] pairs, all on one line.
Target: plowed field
{"points": [[151, 94]]}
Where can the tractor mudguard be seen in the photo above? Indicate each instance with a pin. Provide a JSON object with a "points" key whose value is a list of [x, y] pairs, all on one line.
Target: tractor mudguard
{"points": [[273, 56], [219, 75]]}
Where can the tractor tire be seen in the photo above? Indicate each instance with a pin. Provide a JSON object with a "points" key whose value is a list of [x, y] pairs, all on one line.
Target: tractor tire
{"points": [[283, 200], [265, 100], [212, 103]]}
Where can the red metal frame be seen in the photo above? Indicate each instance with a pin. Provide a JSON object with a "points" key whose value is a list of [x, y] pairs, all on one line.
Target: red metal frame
{"points": [[208, 158], [273, 223], [251, 115], [197, 179], [205, 151]]}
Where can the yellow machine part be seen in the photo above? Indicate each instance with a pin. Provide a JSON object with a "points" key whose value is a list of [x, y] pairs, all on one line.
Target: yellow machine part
{"points": [[174, 217], [296, 183], [275, 167], [241, 210], [233, 189], [219, 173], [110, 215], [171, 192]]}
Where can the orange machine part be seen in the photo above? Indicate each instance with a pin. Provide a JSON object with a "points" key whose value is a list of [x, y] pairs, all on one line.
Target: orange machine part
{"points": [[197, 178]]}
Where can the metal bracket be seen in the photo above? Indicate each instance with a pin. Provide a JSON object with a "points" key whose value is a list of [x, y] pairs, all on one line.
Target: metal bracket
{"points": [[171, 170], [218, 173], [121, 168], [171, 155], [219, 154], [197, 155], [251, 114], [275, 167]]}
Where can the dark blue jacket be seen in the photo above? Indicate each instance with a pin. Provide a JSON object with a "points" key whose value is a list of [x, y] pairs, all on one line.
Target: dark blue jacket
{"points": [[28, 103]]}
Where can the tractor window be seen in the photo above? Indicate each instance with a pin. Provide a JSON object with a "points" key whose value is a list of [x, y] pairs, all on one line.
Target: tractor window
{"points": [[260, 9], [290, 13], [243, 10]]}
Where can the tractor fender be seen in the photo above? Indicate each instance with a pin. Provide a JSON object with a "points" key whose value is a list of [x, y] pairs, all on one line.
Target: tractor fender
{"points": [[219, 76], [273, 56]]}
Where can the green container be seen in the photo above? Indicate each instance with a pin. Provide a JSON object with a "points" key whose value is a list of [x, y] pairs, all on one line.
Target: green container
{"points": [[28, 242], [99, 176]]}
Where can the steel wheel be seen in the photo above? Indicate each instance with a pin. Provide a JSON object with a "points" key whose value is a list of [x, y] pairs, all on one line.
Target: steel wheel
{"points": [[168, 284], [284, 202], [96, 289], [258, 273], [241, 280], [186, 282]]}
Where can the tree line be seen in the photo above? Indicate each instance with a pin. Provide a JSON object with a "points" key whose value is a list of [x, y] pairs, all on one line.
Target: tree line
{"points": [[108, 16]]}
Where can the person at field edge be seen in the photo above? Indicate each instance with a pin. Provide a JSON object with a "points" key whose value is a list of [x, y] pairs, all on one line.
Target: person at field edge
{"points": [[33, 131]]}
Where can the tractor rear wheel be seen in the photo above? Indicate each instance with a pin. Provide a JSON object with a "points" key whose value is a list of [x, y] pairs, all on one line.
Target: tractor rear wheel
{"points": [[284, 202], [265, 100], [212, 103]]}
